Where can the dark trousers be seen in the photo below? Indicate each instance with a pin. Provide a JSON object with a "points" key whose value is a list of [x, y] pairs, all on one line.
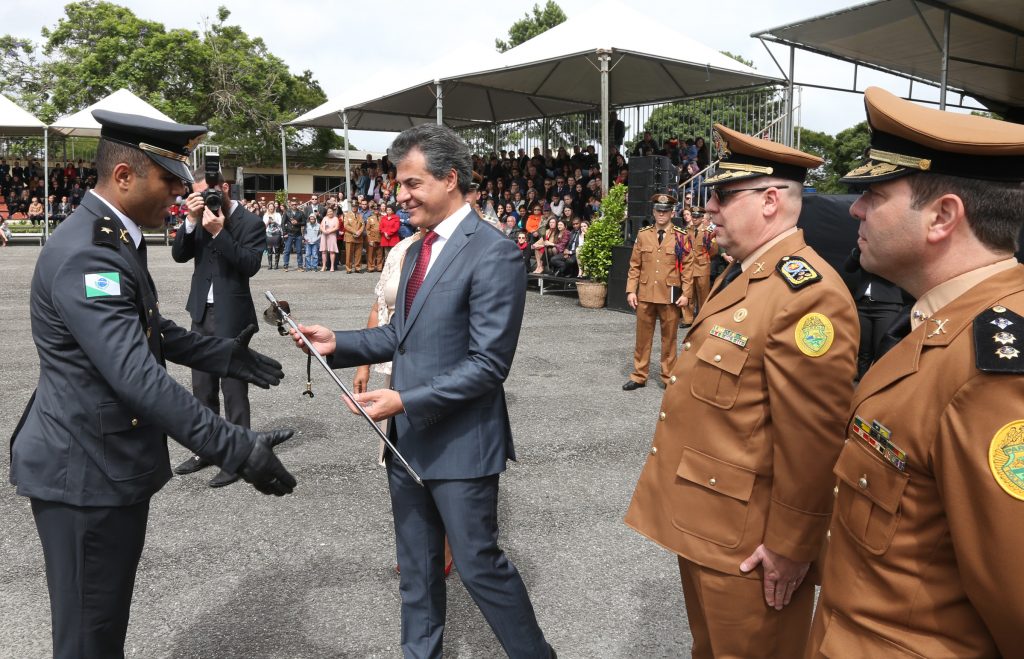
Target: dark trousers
{"points": [[91, 556], [207, 387], [564, 266], [468, 511], [875, 320]]}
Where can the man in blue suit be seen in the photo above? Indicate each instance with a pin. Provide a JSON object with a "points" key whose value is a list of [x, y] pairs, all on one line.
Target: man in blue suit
{"points": [[451, 342]]}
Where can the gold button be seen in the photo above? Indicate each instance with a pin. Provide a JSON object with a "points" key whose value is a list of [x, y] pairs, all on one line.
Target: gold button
{"points": [[662, 416], [654, 449], [828, 534], [718, 358], [686, 346], [835, 491], [135, 422], [149, 332], [712, 481], [863, 482], [672, 380], [150, 312]]}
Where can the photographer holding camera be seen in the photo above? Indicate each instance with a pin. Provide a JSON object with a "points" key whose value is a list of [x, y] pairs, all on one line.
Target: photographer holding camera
{"points": [[227, 242]]}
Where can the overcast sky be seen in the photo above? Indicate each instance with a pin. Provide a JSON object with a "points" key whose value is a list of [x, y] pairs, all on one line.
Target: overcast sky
{"points": [[349, 46]]}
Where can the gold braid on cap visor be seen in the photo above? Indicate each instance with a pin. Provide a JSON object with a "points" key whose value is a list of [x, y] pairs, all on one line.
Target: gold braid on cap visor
{"points": [[162, 152], [746, 168], [900, 160]]}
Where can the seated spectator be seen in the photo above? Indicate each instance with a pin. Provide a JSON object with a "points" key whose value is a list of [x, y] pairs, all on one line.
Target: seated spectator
{"points": [[542, 247], [35, 211], [510, 228], [5, 231], [564, 263], [523, 243], [533, 222]]}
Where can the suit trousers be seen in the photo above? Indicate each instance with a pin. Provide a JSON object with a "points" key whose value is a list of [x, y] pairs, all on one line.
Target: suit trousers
{"points": [[729, 618], [646, 315], [875, 320], [353, 256], [91, 556], [206, 387], [468, 511]]}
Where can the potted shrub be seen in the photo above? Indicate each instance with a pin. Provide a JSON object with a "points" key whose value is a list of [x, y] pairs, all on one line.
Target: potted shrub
{"points": [[595, 256]]}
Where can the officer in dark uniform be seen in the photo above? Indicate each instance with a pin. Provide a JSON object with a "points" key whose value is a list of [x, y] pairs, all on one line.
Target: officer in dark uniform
{"points": [[91, 447]]}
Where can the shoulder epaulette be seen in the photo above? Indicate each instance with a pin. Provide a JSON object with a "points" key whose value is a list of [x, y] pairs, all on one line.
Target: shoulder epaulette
{"points": [[796, 272], [105, 232], [646, 228], [996, 333], [677, 229]]}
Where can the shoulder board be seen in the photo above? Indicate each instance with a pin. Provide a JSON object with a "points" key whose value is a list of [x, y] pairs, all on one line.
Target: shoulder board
{"points": [[796, 272], [105, 232], [646, 228], [998, 341], [677, 229]]}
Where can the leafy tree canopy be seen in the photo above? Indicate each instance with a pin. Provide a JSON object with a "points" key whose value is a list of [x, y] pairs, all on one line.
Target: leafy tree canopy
{"points": [[529, 26], [221, 77]]}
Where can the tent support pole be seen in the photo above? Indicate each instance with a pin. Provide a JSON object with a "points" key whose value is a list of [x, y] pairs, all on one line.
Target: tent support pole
{"points": [[604, 57], [284, 163], [440, 103], [788, 123], [348, 178], [46, 183], [945, 60]]}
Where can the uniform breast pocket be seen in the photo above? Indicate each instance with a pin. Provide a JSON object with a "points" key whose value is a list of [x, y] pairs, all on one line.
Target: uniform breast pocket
{"points": [[716, 377], [868, 501], [131, 449]]}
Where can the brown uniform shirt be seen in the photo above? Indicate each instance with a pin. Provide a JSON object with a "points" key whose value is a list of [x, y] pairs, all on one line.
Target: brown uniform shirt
{"points": [[652, 266], [922, 560], [373, 228], [751, 422], [353, 228]]}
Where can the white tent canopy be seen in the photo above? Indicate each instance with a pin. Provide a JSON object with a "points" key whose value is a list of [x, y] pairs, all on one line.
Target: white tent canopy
{"points": [[971, 46], [82, 123], [15, 122]]}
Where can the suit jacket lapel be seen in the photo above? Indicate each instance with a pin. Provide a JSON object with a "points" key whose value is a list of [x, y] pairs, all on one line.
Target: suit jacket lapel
{"points": [[451, 249]]}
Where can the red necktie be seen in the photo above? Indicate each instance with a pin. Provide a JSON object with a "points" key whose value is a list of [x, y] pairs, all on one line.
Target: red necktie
{"points": [[420, 271]]}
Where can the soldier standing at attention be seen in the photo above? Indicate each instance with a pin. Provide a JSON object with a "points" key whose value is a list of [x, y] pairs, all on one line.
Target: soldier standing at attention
{"points": [[697, 269], [929, 508], [738, 482], [90, 449], [374, 261], [652, 290], [354, 231]]}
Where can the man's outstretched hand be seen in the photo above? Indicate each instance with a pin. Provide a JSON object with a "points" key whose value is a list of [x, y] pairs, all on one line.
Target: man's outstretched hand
{"points": [[263, 470], [321, 338], [251, 366]]}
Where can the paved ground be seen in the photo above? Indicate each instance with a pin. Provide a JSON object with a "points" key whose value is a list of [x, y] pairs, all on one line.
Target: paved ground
{"points": [[230, 573]]}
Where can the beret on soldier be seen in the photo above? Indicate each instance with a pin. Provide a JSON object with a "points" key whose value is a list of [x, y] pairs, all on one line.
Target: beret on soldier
{"points": [[907, 138], [744, 157], [167, 143]]}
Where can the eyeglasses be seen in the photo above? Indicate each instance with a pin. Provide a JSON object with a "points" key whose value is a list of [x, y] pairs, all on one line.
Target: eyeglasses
{"points": [[723, 196]]}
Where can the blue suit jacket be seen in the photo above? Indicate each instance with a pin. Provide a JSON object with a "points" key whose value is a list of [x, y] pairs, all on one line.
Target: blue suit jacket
{"points": [[452, 353]]}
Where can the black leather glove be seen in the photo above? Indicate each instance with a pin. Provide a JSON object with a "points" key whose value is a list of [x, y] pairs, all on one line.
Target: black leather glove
{"points": [[263, 470], [251, 366]]}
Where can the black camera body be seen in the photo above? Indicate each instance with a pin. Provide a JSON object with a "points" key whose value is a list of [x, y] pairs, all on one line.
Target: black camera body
{"points": [[212, 196]]}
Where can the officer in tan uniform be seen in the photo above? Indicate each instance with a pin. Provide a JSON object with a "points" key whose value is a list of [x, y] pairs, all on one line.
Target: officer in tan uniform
{"points": [[700, 246], [653, 291], [374, 254], [929, 513], [354, 231], [739, 480]]}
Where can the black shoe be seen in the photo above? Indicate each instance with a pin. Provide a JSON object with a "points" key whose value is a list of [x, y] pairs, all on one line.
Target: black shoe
{"points": [[224, 478], [632, 385], [192, 465]]}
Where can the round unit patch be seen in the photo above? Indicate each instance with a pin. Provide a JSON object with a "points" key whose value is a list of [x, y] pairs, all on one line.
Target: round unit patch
{"points": [[1006, 458], [814, 334]]}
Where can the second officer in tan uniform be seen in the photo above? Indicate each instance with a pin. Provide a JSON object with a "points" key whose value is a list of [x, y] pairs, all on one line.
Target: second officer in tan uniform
{"points": [[738, 482], [700, 246], [653, 290]]}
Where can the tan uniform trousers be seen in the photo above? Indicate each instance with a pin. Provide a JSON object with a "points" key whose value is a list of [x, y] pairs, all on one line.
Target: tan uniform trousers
{"points": [[374, 257], [701, 290], [646, 315], [729, 618], [353, 256]]}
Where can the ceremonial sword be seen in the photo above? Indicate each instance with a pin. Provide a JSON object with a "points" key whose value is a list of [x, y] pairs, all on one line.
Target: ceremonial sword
{"points": [[283, 315]]}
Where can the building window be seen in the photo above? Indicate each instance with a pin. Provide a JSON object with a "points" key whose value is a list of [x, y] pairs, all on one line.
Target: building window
{"points": [[322, 184], [254, 183]]}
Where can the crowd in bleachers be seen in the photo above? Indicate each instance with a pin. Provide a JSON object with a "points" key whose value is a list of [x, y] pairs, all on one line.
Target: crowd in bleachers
{"points": [[23, 194]]}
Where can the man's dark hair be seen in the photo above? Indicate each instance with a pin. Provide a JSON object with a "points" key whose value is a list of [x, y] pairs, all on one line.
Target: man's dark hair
{"points": [[442, 149], [995, 209], [109, 154]]}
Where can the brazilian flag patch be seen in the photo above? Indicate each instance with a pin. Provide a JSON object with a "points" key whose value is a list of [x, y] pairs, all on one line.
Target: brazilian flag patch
{"points": [[102, 284]]}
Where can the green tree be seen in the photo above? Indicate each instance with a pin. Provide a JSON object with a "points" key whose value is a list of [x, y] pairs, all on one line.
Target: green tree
{"points": [[222, 77], [529, 26]]}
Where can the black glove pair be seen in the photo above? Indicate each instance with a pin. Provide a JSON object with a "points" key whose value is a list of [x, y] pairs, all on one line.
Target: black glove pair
{"points": [[251, 366], [263, 470]]}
